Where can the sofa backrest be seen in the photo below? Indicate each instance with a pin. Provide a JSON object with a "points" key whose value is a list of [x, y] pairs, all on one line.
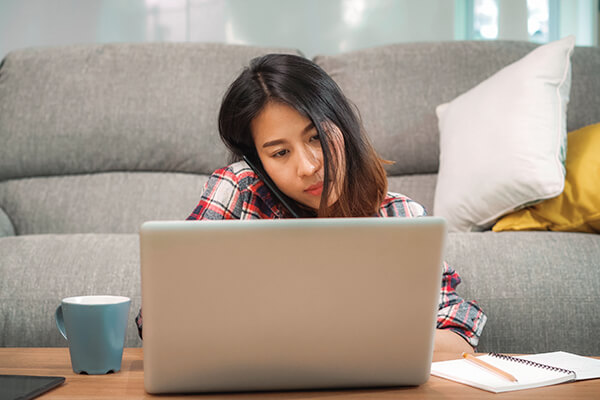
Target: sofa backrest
{"points": [[99, 138]]}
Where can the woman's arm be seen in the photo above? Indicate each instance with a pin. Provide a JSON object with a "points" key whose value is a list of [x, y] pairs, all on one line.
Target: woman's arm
{"points": [[220, 198], [456, 315], [459, 322], [447, 341]]}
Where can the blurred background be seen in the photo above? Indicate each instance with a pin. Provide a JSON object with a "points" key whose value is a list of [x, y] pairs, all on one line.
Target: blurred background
{"points": [[313, 26]]}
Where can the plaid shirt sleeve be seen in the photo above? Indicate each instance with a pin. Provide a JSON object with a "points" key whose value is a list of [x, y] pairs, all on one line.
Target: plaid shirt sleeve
{"points": [[463, 317], [235, 192], [139, 323]]}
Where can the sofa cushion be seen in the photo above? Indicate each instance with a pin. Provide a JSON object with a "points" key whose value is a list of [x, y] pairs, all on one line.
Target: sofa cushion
{"points": [[528, 284], [116, 202], [37, 271], [398, 87], [577, 209], [540, 290], [116, 107], [503, 142]]}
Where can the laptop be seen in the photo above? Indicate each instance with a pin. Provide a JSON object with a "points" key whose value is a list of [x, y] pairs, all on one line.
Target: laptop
{"points": [[265, 305]]}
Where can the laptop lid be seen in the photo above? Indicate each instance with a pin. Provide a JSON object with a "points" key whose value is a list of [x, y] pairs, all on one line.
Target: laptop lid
{"points": [[289, 304]]}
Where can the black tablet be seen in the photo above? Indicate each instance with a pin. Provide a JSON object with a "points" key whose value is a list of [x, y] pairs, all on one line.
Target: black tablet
{"points": [[23, 387]]}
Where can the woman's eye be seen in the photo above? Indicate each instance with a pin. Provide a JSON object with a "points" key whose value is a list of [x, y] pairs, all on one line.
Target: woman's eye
{"points": [[315, 137], [280, 153]]}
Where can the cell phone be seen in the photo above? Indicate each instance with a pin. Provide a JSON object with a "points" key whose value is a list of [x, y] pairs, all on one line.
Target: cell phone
{"points": [[271, 185], [26, 386]]}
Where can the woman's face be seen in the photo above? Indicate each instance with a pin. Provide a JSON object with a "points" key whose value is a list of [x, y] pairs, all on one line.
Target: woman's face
{"points": [[290, 151]]}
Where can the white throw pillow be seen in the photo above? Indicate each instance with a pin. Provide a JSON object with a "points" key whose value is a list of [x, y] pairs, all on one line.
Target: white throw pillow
{"points": [[503, 143]]}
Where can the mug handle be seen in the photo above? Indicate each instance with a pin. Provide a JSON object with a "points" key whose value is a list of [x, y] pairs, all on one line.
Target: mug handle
{"points": [[60, 323]]}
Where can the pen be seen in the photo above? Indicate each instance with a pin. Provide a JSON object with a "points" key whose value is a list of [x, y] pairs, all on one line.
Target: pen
{"points": [[489, 367]]}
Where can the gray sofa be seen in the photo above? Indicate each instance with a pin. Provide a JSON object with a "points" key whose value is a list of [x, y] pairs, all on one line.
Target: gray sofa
{"points": [[96, 139]]}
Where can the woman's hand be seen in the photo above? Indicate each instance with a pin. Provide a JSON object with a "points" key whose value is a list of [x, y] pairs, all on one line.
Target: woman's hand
{"points": [[447, 341]]}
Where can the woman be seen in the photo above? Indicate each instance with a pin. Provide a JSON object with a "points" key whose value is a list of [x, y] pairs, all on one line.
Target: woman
{"points": [[299, 149]]}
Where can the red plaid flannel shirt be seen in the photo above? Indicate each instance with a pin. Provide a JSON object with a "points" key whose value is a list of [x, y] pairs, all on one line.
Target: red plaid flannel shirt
{"points": [[235, 192]]}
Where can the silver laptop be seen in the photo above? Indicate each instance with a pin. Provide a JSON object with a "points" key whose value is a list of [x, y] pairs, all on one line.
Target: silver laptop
{"points": [[289, 304]]}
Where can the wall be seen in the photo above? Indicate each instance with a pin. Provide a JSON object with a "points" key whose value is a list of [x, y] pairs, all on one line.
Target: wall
{"points": [[313, 26]]}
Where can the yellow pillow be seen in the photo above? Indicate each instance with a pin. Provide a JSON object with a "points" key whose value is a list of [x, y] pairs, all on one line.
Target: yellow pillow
{"points": [[577, 208]]}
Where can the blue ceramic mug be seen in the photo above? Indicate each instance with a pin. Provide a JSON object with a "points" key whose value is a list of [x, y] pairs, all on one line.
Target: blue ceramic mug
{"points": [[94, 327]]}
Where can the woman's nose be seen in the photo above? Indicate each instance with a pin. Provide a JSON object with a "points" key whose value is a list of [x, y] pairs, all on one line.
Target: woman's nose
{"points": [[309, 162]]}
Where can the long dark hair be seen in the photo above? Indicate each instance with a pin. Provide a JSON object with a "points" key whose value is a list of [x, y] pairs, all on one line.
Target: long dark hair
{"points": [[301, 84]]}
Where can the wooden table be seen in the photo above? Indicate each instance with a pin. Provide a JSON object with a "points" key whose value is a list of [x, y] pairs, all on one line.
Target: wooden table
{"points": [[129, 382]]}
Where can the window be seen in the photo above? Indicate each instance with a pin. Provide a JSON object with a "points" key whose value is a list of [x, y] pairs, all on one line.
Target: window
{"points": [[542, 20], [485, 19], [547, 20]]}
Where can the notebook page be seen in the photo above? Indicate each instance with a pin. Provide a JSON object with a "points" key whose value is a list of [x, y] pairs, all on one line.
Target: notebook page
{"points": [[528, 377], [584, 367]]}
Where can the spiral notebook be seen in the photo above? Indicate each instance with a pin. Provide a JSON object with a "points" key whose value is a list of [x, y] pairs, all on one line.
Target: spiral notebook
{"points": [[531, 371]]}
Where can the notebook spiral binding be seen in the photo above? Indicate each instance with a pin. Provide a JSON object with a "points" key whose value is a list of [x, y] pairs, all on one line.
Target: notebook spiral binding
{"points": [[532, 363]]}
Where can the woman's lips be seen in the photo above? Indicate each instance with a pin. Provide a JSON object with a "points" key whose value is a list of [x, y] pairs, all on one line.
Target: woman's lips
{"points": [[315, 189]]}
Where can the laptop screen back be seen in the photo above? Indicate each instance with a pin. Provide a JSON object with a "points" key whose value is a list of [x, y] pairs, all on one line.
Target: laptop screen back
{"points": [[289, 304]]}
